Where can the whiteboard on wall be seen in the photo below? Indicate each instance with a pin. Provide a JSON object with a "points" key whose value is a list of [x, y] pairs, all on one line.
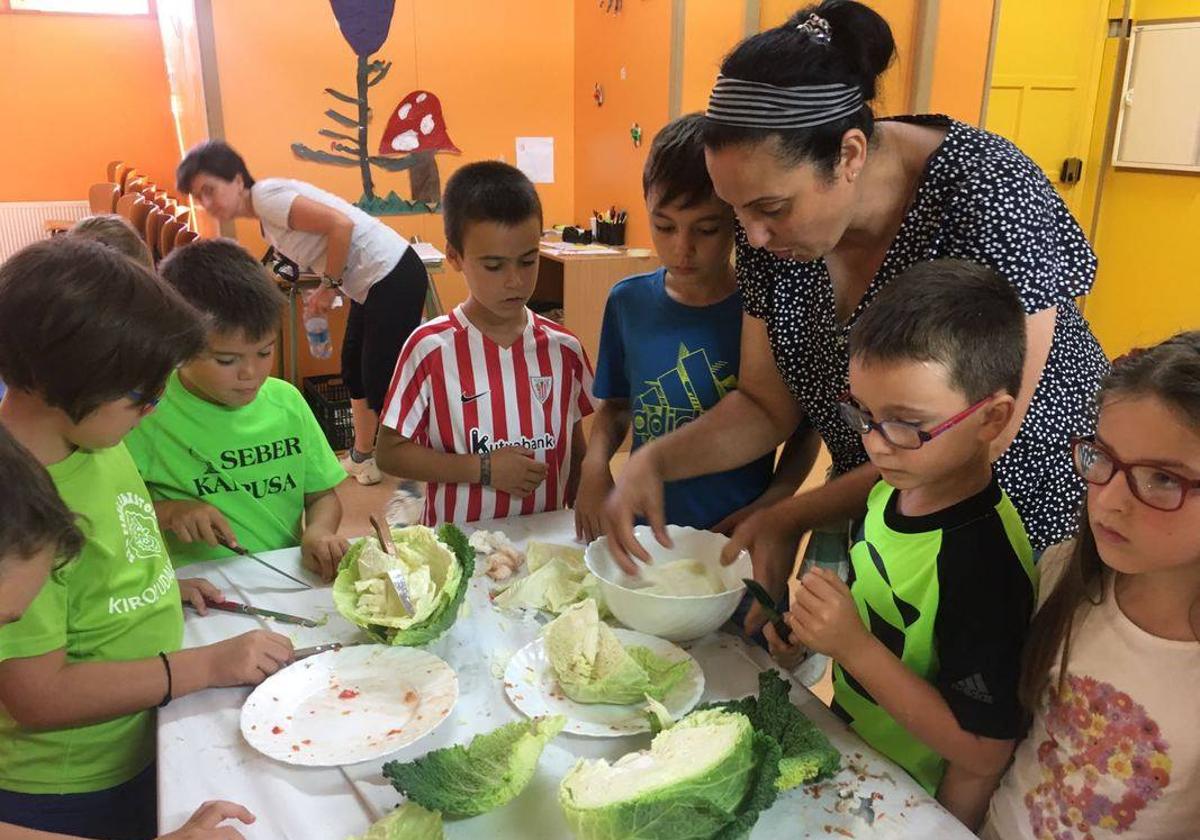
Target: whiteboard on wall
{"points": [[1158, 126]]}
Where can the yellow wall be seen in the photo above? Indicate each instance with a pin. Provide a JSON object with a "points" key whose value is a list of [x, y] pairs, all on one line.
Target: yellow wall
{"points": [[1147, 238], [78, 91], [608, 168], [498, 76]]}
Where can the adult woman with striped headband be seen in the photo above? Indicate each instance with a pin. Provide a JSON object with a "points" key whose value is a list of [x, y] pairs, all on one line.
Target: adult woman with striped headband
{"points": [[831, 205]]}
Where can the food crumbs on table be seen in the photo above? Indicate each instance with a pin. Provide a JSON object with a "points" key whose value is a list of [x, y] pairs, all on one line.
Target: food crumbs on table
{"points": [[392, 732], [345, 713], [253, 727], [289, 717], [348, 694], [845, 832], [306, 742], [276, 699], [410, 696], [295, 748], [277, 730]]}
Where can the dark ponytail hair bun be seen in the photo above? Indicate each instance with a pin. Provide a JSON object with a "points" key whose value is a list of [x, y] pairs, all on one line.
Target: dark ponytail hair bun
{"points": [[861, 38], [859, 50]]}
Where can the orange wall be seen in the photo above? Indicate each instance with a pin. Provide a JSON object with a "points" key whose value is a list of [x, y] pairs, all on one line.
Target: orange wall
{"points": [[79, 91], [608, 168], [711, 29], [498, 76], [964, 29]]}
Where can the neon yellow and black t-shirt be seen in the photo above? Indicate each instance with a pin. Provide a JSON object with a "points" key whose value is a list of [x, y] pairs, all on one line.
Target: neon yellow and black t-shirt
{"points": [[951, 595]]}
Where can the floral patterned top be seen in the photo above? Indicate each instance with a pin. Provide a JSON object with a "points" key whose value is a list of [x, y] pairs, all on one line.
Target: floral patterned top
{"points": [[980, 199], [1115, 753]]}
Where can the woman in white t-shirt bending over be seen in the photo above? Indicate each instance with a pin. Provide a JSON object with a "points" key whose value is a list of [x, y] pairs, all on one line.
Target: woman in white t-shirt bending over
{"points": [[353, 252]]}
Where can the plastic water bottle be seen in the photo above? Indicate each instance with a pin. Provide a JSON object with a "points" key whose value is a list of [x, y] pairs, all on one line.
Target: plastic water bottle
{"points": [[317, 330]]}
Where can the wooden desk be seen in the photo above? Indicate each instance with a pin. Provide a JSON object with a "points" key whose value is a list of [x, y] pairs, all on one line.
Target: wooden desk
{"points": [[582, 283]]}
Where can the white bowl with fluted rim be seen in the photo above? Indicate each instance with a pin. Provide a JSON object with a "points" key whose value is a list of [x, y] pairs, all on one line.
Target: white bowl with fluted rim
{"points": [[678, 618]]}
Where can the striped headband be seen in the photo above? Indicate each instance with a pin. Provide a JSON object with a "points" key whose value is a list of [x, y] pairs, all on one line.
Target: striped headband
{"points": [[762, 105]]}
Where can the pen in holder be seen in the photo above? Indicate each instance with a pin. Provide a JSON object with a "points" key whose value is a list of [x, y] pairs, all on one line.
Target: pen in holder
{"points": [[610, 233]]}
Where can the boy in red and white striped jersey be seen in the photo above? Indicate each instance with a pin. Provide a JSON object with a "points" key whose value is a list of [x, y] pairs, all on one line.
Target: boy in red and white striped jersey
{"points": [[486, 402]]}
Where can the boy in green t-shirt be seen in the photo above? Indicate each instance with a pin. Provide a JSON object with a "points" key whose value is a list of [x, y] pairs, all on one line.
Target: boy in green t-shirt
{"points": [[37, 534], [927, 634], [87, 339], [233, 456]]}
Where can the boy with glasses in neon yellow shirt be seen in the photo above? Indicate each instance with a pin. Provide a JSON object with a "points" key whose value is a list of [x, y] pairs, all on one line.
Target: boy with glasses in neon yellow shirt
{"points": [[927, 633]]}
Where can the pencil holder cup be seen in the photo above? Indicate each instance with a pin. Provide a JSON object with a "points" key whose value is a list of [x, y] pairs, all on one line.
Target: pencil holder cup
{"points": [[610, 233]]}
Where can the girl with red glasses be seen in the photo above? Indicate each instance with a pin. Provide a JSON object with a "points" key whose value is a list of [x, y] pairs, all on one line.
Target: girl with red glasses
{"points": [[1112, 669]]}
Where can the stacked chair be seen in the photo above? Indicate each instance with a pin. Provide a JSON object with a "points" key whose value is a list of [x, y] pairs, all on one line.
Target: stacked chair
{"points": [[164, 221]]}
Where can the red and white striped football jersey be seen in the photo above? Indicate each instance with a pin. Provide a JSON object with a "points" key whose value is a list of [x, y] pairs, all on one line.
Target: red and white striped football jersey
{"points": [[456, 390]]}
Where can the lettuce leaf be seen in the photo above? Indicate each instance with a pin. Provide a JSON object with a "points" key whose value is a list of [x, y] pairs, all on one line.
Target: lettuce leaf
{"points": [[485, 774], [408, 822], [592, 666]]}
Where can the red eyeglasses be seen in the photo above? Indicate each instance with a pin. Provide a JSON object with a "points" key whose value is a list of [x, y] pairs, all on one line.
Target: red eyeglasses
{"points": [[898, 433], [1151, 485]]}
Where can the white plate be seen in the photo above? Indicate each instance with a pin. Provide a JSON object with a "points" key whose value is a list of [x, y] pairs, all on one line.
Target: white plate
{"points": [[349, 705], [533, 688]]}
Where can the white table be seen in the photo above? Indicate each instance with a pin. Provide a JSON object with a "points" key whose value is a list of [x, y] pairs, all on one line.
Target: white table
{"points": [[201, 754]]}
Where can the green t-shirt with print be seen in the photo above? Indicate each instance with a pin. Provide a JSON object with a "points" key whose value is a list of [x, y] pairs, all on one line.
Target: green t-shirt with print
{"points": [[254, 464], [950, 594], [117, 601]]}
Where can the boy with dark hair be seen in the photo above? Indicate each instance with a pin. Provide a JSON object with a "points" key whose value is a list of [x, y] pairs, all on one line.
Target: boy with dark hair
{"points": [[486, 403], [36, 528], [927, 633], [88, 340], [670, 346], [234, 457]]}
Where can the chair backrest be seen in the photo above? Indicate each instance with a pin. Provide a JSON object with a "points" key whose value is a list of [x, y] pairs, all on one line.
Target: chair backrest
{"points": [[185, 236], [166, 238], [110, 171], [125, 204], [102, 198], [165, 204], [148, 190], [135, 186], [153, 229], [138, 213], [128, 177], [183, 215]]}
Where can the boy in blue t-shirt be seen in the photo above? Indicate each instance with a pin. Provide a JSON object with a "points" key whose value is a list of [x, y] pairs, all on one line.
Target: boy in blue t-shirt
{"points": [[670, 342]]}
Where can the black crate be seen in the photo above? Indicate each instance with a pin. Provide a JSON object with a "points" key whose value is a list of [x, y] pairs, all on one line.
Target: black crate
{"points": [[329, 399]]}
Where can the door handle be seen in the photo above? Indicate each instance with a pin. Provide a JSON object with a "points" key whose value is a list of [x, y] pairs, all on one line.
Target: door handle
{"points": [[1072, 171]]}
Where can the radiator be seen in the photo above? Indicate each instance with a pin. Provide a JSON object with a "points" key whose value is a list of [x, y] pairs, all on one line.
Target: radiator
{"points": [[23, 222]]}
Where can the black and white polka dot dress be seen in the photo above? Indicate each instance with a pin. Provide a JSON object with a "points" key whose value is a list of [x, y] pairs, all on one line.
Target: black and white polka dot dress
{"points": [[981, 199]]}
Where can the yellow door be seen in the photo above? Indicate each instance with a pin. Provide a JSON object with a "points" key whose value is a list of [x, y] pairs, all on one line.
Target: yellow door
{"points": [[1044, 83]]}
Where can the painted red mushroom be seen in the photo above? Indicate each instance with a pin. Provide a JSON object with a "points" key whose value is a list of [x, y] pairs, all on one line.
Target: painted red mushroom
{"points": [[417, 128]]}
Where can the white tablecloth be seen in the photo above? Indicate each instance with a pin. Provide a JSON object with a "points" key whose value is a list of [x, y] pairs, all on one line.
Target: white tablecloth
{"points": [[201, 754]]}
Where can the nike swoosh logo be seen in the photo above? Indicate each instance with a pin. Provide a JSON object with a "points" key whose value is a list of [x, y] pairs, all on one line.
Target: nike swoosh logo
{"points": [[467, 398]]}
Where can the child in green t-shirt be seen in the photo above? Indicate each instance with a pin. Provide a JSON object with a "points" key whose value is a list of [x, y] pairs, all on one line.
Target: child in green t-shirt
{"points": [[87, 339], [37, 534], [927, 633], [233, 456]]}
